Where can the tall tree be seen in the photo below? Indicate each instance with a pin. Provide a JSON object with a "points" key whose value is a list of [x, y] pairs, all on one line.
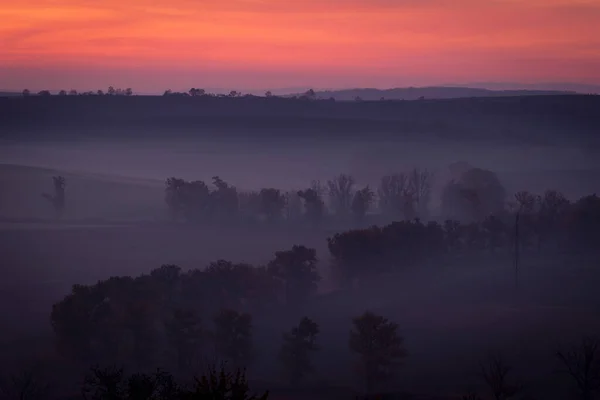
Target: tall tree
{"points": [[582, 365], [272, 202], [313, 205], [297, 348], [341, 190], [361, 202], [233, 337], [380, 347], [298, 268], [419, 186], [57, 199], [395, 198]]}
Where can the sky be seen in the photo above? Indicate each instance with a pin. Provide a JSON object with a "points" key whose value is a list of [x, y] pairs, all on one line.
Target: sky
{"points": [[153, 45]]}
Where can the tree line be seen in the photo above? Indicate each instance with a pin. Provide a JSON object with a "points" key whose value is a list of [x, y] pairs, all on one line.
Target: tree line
{"points": [[177, 320]]}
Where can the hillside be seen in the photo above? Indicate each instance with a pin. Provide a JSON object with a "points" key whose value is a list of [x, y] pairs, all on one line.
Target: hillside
{"points": [[541, 119]]}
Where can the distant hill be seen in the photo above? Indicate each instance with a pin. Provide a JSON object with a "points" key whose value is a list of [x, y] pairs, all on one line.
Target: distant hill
{"points": [[9, 94], [518, 119], [434, 92]]}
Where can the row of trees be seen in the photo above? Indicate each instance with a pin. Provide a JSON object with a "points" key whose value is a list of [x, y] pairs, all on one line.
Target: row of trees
{"points": [[156, 319], [110, 92], [152, 320], [401, 196]]}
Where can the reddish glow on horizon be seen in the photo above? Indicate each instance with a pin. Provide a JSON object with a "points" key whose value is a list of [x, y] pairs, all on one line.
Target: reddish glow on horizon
{"points": [[152, 45]]}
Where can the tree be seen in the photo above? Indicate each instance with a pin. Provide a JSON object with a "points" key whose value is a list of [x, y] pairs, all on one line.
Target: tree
{"points": [[477, 194], [272, 203], [26, 385], [293, 206], [224, 200], [313, 205], [184, 332], [495, 374], [419, 186], [168, 92], [26, 92], [309, 95], [194, 92], [297, 348], [99, 92], [268, 93], [379, 345], [582, 364], [394, 196], [356, 253], [58, 198], [73, 92], [233, 337], [62, 93], [44, 93], [298, 268], [361, 202], [128, 92], [190, 200], [234, 93], [222, 385], [341, 193], [111, 91]]}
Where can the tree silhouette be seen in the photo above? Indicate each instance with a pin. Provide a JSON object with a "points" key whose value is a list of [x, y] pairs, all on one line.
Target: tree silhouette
{"points": [[62, 93], [313, 205], [222, 385], [44, 93], [224, 200], [361, 202], [298, 268], [395, 198], [268, 93], [582, 364], [26, 385], [233, 337], [379, 345], [73, 92], [184, 332], [26, 93], [272, 203], [341, 191], [297, 348], [495, 374], [57, 199], [419, 186], [194, 92]]}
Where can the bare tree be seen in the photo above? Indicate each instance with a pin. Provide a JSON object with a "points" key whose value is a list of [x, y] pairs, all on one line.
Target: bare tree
{"points": [[341, 193], [57, 199], [395, 198], [419, 187], [27, 385], [495, 374], [582, 364]]}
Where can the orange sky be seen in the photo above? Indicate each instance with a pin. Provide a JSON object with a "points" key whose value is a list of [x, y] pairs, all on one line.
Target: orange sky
{"points": [[152, 45]]}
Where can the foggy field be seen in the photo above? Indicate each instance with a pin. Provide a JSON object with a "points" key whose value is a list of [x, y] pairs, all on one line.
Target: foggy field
{"points": [[452, 310]]}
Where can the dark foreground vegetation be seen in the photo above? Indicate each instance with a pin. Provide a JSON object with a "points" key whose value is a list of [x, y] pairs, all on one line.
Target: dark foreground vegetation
{"points": [[181, 321]]}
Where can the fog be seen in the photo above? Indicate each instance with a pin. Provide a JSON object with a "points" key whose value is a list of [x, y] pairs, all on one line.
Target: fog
{"points": [[453, 309]]}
